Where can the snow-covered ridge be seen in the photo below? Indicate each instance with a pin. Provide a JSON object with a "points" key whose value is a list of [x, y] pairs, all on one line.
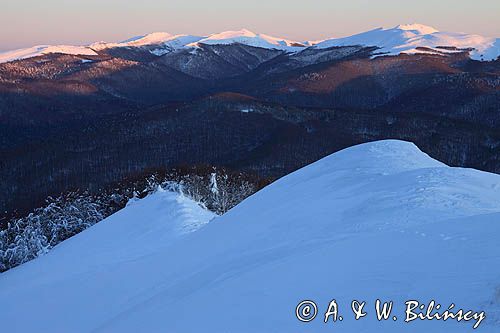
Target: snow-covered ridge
{"points": [[250, 38], [159, 43], [407, 38], [164, 42], [44, 49], [376, 221]]}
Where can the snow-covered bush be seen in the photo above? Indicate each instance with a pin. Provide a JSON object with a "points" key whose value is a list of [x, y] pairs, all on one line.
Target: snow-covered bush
{"points": [[218, 191], [26, 238]]}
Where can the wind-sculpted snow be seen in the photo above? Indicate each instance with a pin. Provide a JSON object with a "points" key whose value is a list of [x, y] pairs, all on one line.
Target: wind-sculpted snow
{"points": [[377, 221]]}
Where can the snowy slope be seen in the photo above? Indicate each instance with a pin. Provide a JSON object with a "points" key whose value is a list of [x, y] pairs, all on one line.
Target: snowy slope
{"points": [[407, 38], [379, 220], [44, 49], [143, 227], [247, 37]]}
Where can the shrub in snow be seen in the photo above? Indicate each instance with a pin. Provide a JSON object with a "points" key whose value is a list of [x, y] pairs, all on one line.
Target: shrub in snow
{"points": [[26, 238], [217, 191]]}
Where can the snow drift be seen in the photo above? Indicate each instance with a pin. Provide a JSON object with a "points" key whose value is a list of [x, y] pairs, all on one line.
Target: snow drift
{"points": [[377, 221]]}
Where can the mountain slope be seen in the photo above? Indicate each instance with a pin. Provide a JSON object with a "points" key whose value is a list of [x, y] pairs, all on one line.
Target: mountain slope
{"points": [[379, 220], [218, 61], [418, 38], [44, 100]]}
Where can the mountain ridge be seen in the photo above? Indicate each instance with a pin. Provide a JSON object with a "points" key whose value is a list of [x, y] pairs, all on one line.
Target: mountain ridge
{"points": [[43, 97], [404, 38], [412, 38]]}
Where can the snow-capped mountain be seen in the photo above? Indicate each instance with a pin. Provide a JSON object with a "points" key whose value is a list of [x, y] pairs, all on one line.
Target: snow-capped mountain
{"points": [[159, 42], [250, 38], [408, 38], [158, 38], [39, 50], [376, 221]]}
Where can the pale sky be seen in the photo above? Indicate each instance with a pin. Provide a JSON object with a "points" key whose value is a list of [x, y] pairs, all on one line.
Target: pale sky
{"points": [[26, 23]]}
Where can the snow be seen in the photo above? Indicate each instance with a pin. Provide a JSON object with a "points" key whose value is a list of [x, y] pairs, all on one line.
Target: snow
{"points": [[407, 38], [250, 38], [153, 38], [44, 49], [420, 28], [175, 43], [378, 220], [162, 38]]}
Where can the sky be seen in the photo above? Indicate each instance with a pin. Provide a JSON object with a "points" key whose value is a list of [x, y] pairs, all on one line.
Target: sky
{"points": [[25, 23]]}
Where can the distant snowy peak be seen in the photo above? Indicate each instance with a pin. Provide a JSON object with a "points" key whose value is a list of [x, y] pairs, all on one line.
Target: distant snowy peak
{"points": [[250, 38], [39, 50], [411, 38], [152, 38], [159, 38], [162, 41], [175, 43]]}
